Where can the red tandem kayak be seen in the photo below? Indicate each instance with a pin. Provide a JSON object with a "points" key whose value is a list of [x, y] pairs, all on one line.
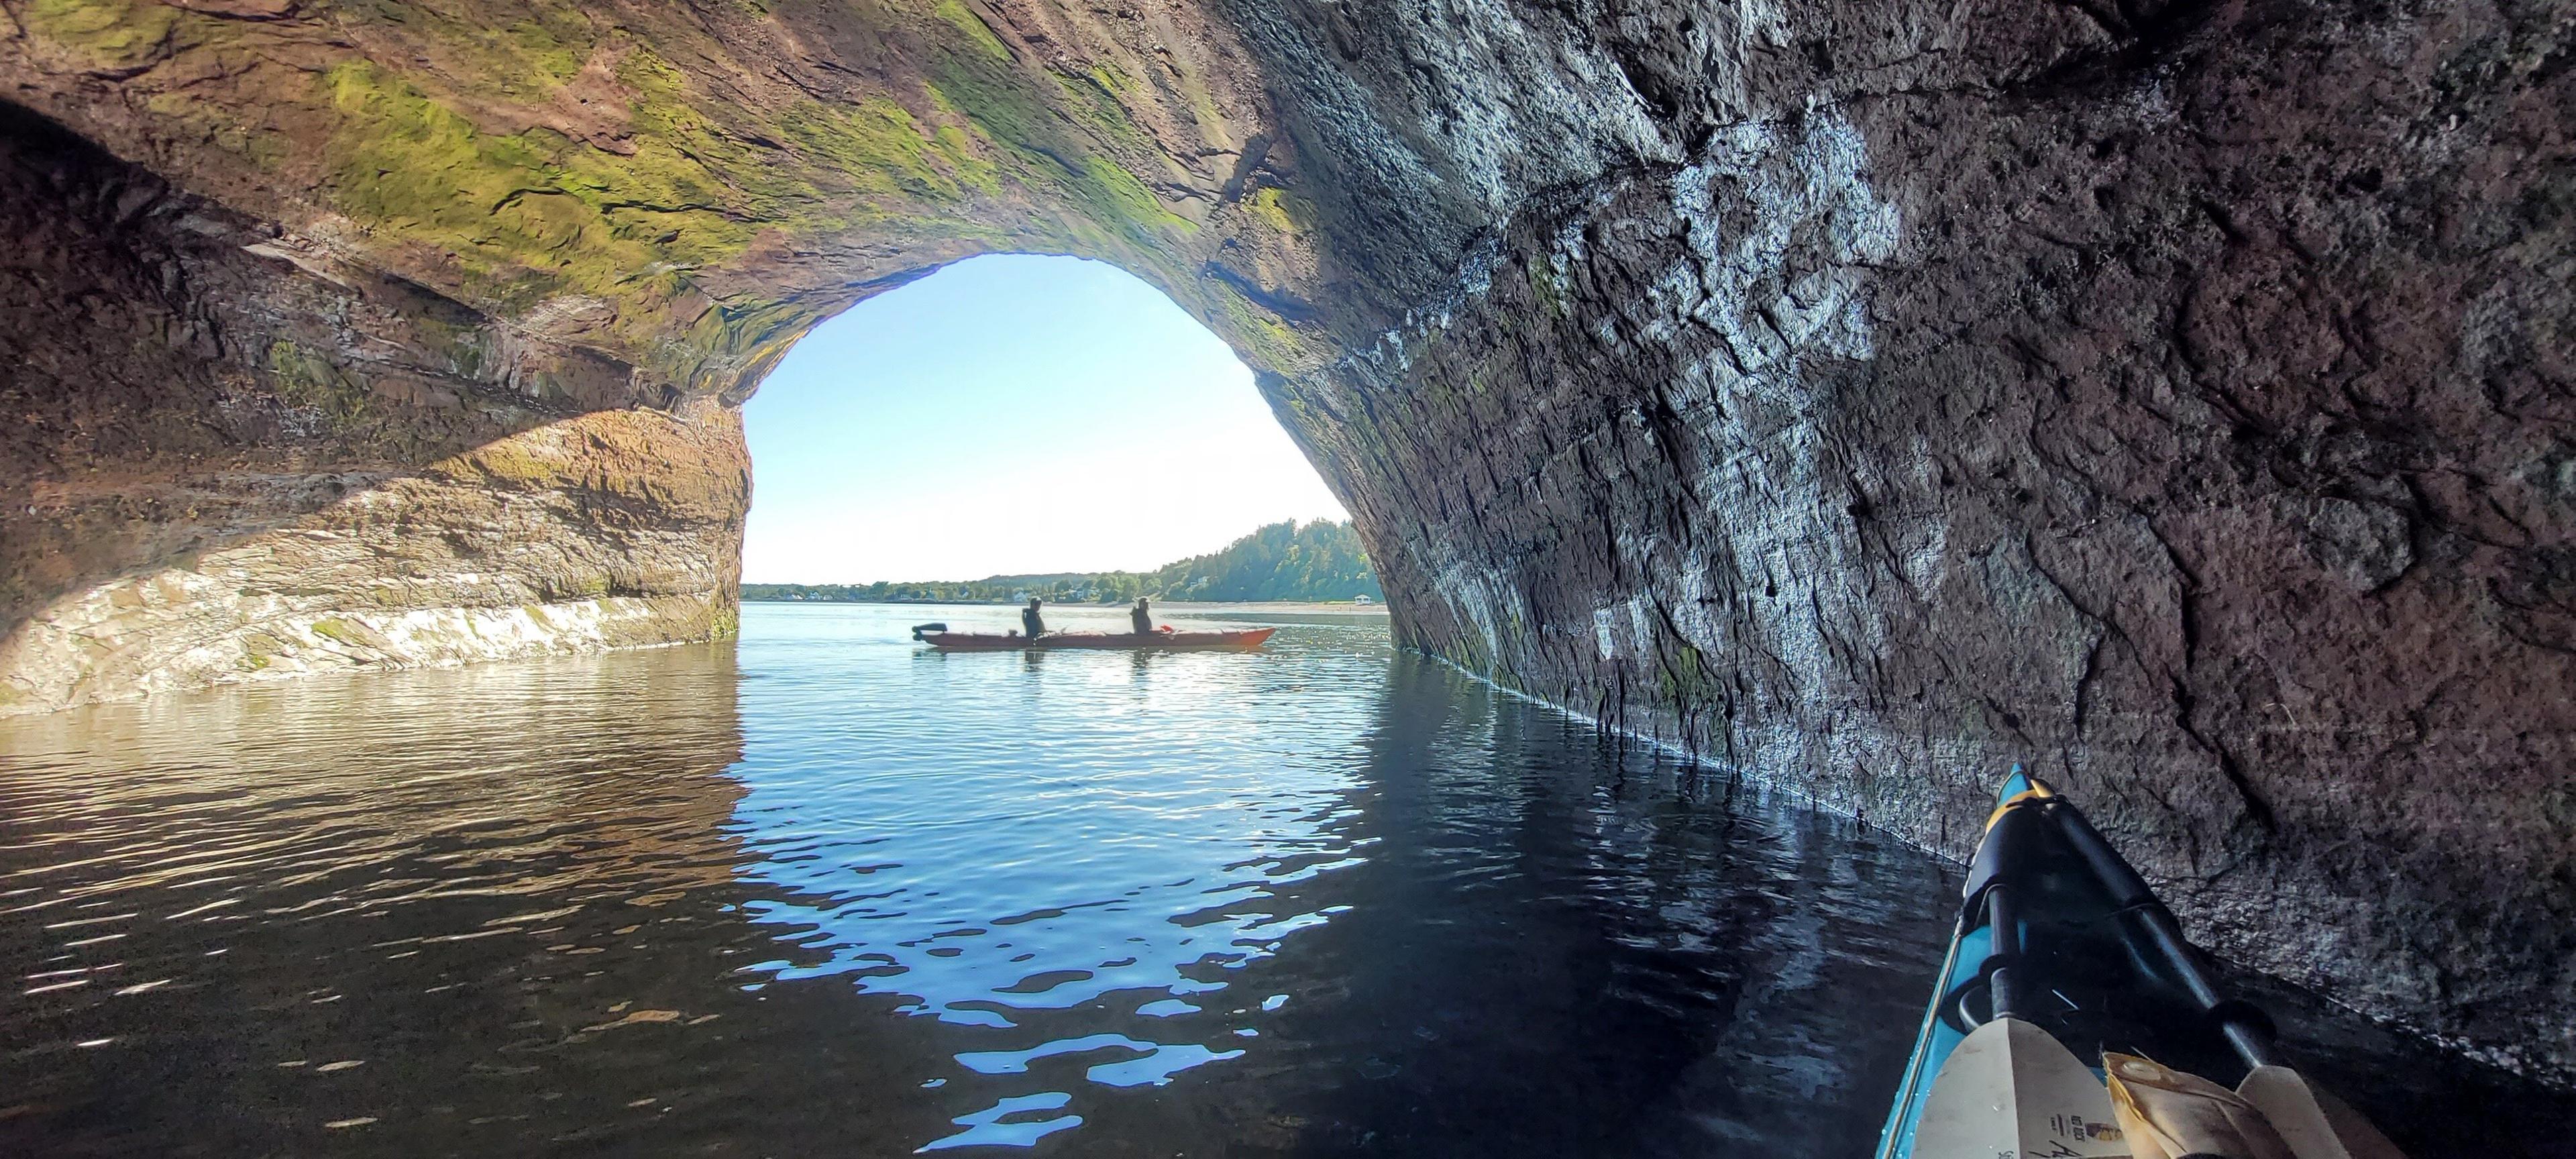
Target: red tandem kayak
{"points": [[1001, 642]]}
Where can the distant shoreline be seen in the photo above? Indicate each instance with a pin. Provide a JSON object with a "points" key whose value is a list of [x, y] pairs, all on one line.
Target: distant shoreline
{"points": [[1315, 607], [1313, 559]]}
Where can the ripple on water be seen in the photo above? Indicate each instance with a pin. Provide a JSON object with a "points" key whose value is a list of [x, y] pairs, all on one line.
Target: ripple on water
{"points": [[825, 893], [1121, 842]]}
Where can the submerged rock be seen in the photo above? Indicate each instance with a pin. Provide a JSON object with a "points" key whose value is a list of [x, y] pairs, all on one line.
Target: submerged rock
{"points": [[1868, 396]]}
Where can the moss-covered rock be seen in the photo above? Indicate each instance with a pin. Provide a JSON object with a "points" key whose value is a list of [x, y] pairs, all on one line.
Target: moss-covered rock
{"points": [[712, 185], [1868, 394]]}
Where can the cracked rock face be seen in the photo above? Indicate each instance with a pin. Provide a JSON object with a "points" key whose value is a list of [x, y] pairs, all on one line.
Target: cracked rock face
{"points": [[2175, 398], [2182, 414]]}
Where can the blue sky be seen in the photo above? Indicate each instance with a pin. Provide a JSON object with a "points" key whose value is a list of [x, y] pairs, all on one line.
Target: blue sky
{"points": [[1008, 414]]}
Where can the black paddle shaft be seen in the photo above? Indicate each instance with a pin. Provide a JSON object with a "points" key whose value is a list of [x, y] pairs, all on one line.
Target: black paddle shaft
{"points": [[2150, 925], [2042, 835]]}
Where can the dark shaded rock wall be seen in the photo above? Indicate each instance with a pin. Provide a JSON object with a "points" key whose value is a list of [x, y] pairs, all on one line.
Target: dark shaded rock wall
{"points": [[2173, 396], [2175, 400], [231, 457]]}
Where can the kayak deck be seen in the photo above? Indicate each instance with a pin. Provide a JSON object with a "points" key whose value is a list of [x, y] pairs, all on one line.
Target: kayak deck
{"points": [[1167, 641], [2063, 956]]}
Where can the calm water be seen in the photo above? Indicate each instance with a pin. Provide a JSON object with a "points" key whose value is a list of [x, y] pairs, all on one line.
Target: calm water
{"points": [[825, 893]]}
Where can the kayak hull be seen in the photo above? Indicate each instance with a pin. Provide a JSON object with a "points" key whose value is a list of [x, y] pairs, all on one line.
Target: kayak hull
{"points": [[2061, 956], [1094, 641]]}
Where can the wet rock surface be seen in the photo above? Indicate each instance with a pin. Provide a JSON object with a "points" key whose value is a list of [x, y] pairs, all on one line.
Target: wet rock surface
{"points": [[2181, 414], [2173, 397]]}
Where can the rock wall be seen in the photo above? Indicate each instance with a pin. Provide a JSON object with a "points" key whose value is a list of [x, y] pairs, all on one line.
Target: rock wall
{"points": [[2174, 399], [2175, 396], [386, 335], [233, 457]]}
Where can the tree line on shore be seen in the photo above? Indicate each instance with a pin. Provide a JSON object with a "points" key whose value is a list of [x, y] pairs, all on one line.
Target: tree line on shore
{"points": [[1321, 560]]}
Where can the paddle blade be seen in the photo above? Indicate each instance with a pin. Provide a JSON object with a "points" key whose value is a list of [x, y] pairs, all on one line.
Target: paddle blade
{"points": [[2314, 1123], [2011, 1089]]}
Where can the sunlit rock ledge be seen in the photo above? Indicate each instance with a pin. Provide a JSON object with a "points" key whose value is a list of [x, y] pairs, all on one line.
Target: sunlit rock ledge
{"points": [[1870, 396], [617, 528]]}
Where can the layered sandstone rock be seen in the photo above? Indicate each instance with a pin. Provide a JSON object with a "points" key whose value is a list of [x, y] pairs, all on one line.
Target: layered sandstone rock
{"points": [[236, 458], [2173, 397]]}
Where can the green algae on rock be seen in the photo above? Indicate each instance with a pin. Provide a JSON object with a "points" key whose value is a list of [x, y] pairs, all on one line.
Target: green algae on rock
{"points": [[1868, 396]]}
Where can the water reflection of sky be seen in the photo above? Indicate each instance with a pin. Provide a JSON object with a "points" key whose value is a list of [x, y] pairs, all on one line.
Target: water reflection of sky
{"points": [[500, 910], [1038, 846]]}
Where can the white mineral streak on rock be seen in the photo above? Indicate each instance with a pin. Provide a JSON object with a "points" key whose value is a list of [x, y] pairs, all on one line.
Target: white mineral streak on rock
{"points": [[1788, 283], [1782, 227], [1691, 614], [1526, 107], [1489, 603], [1783, 233], [1760, 24]]}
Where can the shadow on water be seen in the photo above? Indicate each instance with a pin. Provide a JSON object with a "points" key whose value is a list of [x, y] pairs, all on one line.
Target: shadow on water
{"points": [[832, 894], [240, 918], [1559, 949]]}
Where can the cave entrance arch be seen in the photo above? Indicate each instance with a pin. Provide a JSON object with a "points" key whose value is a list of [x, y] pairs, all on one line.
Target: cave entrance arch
{"points": [[2183, 440], [1012, 413]]}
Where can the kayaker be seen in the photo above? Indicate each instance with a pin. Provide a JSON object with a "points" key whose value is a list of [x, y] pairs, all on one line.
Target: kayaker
{"points": [[1029, 619], [1141, 617]]}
